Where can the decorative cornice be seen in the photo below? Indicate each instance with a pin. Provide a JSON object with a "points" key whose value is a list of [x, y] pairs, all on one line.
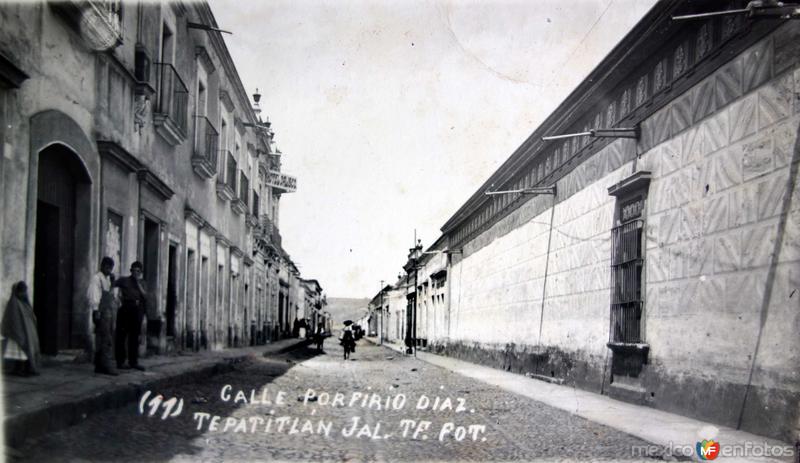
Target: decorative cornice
{"points": [[201, 54], [156, 184], [637, 181], [222, 240], [248, 261], [10, 75], [236, 251], [653, 65], [114, 151], [192, 216], [209, 229]]}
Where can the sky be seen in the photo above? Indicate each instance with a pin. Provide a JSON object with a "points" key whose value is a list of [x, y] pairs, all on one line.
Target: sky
{"points": [[391, 114]]}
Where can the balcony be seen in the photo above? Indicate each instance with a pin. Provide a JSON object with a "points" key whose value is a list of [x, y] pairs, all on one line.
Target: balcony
{"points": [[282, 182], [224, 189], [204, 158], [275, 237], [98, 21], [261, 232], [238, 206], [266, 224], [250, 220], [169, 116]]}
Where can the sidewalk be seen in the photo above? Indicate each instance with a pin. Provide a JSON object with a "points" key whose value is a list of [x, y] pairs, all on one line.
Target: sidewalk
{"points": [[66, 392], [656, 426]]}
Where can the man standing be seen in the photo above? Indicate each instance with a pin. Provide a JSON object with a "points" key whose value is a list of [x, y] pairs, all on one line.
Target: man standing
{"points": [[130, 316], [101, 306]]}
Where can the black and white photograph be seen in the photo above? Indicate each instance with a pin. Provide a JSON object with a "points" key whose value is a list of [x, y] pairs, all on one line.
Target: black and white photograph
{"points": [[400, 230]]}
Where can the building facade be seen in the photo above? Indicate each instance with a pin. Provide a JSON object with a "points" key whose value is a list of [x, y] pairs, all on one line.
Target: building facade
{"points": [[656, 259], [126, 132]]}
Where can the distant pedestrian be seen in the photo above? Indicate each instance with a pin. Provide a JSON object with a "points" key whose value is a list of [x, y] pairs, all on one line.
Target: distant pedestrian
{"points": [[319, 338], [348, 341], [102, 305], [21, 352], [129, 318]]}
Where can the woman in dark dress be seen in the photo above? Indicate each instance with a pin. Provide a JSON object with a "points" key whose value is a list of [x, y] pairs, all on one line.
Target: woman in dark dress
{"points": [[21, 354]]}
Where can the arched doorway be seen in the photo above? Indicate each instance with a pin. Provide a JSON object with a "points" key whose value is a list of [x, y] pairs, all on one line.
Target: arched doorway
{"points": [[62, 186]]}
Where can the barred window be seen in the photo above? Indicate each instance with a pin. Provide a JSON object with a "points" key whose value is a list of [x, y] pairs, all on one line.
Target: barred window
{"points": [[627, 262]]}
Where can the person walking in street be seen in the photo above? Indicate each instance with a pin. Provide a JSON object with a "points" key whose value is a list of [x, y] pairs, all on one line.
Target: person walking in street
{"points": [[102, 305], [129, 318], [20, 339], [347, 340], [319, 338]]}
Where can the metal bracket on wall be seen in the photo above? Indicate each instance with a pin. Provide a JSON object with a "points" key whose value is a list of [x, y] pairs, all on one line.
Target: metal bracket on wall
{"points": [[539, 190], [626, 132], [206, 28], [754, 9]]}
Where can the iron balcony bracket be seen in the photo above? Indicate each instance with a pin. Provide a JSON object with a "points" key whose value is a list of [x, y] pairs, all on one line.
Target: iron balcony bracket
{"points": [[623, 132], [542, 190], [754, 10]]}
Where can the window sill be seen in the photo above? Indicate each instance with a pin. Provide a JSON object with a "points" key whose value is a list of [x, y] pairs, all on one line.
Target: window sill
{"points": [[629, 347]]}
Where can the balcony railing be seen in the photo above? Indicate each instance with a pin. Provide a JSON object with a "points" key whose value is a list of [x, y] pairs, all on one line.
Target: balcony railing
{"points": [[230, 178], [109, 13], [282, 182], [224, 190], [98, 21], [268, 224], [173, 99], [244, 188], [204, 158]]}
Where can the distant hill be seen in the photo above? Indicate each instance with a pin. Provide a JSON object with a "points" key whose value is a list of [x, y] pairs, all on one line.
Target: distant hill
{"points": [[346, 308]]}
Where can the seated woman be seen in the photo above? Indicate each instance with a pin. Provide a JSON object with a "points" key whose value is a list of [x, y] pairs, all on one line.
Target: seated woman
{"points": [[21, 353]]}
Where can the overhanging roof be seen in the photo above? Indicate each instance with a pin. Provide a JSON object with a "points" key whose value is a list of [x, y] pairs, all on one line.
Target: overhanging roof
{"points": [[625, 60]]}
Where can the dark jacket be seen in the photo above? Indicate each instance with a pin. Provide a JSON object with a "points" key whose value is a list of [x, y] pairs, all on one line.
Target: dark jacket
{"points": [[131, 293]]}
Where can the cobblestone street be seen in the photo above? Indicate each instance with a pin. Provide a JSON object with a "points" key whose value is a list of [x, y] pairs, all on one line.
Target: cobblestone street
{"points": [[516, 428]]}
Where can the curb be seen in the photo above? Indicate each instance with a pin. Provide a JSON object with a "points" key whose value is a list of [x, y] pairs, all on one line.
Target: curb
{"points": [[58, 416]]}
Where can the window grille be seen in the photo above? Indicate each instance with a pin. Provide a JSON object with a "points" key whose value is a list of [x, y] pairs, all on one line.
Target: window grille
{"points": [[626, 282], [173, 95]]}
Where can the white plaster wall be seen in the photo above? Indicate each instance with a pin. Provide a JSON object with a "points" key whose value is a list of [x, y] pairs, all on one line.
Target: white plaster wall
{"points": [[496, 292], [714, 215], [720, 193]]}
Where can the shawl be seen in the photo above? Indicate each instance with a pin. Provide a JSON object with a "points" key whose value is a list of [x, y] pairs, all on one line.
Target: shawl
{"points": [[19, 324]]}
